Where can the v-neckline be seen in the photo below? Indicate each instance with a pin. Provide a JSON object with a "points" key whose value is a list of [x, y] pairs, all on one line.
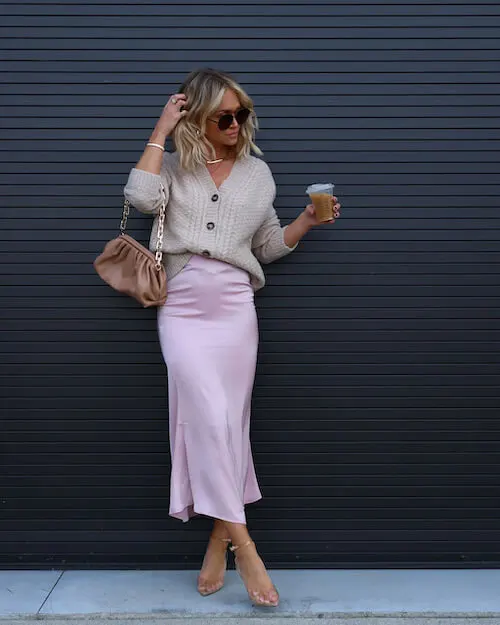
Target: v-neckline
{"points": [[238, 171], [227, 180]]}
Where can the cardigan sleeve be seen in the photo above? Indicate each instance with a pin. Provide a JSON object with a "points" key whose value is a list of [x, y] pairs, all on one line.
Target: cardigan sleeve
{"points": [[143, 189], [268, 243]]}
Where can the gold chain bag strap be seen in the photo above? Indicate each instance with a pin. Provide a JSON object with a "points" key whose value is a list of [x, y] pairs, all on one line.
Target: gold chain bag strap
{"points": [[130, 268]]}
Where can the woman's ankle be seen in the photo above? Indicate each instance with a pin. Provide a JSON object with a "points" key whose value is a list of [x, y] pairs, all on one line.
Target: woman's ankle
{"points": [[238, 533], [247, 552]]}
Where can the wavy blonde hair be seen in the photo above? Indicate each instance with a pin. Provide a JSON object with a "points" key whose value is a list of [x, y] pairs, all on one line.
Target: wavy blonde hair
{"points": [[204, 90]]}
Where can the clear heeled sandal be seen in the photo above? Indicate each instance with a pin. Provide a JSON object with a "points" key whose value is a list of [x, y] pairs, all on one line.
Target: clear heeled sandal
{"points": [[202, 585], [256, 597]]}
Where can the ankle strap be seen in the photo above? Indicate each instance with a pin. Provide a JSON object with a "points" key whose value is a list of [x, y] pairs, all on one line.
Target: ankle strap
{"points": [[224, 540], [235, 547]]}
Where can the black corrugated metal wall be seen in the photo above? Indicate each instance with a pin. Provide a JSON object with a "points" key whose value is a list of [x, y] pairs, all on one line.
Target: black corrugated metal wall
{"points": [[376, 430]]}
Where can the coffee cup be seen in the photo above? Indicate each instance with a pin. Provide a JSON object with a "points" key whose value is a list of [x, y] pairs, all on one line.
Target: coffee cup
{"points": [[321, 195]]}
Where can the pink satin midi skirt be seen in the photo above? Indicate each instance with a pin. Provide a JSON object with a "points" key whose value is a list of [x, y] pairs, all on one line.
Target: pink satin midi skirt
{"points": [[208, 335]]}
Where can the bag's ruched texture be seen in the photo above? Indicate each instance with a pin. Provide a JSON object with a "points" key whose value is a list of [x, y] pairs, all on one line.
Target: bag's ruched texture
{"points": [[130, 268]]}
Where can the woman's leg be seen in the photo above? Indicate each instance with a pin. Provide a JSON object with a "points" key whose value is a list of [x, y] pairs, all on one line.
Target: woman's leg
{"points": [[253, 571], [220, 529], [211, 577]]}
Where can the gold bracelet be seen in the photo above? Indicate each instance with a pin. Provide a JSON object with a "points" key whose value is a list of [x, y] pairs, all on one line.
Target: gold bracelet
{"points": [[156, 145]]}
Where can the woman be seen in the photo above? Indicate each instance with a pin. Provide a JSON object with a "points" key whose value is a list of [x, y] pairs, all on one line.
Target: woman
{"points": [[220, 222]]}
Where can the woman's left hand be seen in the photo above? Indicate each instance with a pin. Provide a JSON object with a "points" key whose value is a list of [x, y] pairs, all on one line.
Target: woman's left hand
{"points": [[310, 214]]}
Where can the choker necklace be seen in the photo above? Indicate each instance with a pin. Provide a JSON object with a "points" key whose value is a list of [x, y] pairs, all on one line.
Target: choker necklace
{"points": [[217, 160]]}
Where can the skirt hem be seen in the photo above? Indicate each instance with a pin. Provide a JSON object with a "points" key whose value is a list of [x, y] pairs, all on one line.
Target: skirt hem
{"points": [[184, 516]]}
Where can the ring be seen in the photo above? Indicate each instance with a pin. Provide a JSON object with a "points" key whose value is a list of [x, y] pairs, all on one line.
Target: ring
{"points": [[174, 100]]}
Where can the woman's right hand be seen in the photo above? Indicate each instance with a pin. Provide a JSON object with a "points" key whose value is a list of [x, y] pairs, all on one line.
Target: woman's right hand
{"points": [[172, 114], [152, 157]]}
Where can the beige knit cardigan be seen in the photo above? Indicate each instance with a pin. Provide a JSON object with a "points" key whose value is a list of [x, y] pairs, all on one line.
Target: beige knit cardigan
{"points": [[235, 223]]}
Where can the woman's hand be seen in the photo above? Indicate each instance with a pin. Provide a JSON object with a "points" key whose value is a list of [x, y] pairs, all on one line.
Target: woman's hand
{"points": [[152, 157], [172, 113], [305, 221], [310, 214]]}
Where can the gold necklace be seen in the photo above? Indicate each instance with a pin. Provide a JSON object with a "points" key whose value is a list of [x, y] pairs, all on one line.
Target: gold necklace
{"points": [[219, 160]]}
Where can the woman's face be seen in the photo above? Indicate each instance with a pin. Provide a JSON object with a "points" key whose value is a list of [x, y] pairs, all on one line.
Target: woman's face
{"points": [[230, 104]]}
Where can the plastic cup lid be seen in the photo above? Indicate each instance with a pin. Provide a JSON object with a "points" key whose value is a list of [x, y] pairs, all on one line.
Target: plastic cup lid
{"points": [[321, 187]]}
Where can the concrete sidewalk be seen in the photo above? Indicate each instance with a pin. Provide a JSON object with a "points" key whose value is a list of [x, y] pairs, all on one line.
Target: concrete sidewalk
{"points": [[269, 620], [364, 597]]}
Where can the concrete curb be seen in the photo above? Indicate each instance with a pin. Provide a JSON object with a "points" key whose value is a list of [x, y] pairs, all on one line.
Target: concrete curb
{"points": [[282, 619]]}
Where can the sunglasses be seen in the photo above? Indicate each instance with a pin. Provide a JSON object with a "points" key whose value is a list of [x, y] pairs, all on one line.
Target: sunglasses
{"points": [[225, 121]]}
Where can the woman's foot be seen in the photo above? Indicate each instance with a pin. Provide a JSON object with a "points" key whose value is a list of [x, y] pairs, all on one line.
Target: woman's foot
{"points": [[211, 577], [252, 570]]}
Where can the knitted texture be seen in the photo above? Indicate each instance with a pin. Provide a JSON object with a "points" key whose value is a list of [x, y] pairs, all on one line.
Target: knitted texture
{"points": [[236, 223]]}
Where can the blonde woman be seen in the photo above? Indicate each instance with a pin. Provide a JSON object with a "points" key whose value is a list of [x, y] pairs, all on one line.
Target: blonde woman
{"points": [[220, 222]]}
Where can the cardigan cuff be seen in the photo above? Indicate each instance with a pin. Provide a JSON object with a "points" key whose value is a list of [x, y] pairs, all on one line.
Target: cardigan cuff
{"points": [[290, 249], [140, 180], [143, 190]]}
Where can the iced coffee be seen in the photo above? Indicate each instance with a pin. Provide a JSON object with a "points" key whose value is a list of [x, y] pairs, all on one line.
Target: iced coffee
{"points": [[321, 195]]}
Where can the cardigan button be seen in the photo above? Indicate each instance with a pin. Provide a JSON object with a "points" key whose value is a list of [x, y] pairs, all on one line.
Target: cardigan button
{"points": [[210, 225], [215, 197], [206, 253]]}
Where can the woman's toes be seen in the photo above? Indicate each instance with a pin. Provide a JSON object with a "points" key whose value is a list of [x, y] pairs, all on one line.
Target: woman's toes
{"points": [[205, 587], [272, 598]]}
